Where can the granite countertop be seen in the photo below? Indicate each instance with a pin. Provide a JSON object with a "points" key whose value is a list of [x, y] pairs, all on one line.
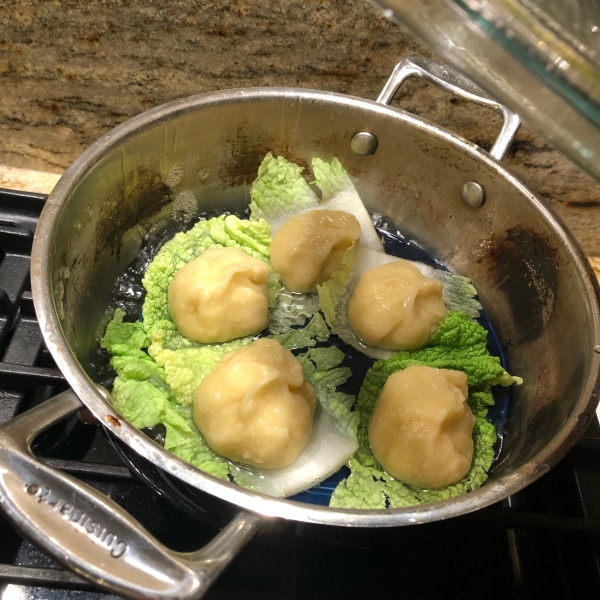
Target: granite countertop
{"points": [[13, 178], [71, 71]]}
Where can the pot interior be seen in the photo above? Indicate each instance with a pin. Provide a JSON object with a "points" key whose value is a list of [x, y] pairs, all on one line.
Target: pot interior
{"points": [[202, 154]]}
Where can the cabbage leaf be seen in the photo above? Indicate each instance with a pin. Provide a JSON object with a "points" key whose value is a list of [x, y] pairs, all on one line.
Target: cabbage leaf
{"points": [[459, 344]]}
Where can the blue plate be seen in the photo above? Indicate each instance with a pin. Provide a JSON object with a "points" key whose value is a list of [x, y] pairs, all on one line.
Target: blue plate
{"points": [[400, 247]]}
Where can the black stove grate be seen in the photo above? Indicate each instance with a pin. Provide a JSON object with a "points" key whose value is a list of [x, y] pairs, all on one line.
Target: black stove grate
{"points": [[541, 543]]}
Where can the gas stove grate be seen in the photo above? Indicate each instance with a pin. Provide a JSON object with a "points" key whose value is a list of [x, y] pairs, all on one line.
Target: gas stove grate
{"points": [[542, 542]]}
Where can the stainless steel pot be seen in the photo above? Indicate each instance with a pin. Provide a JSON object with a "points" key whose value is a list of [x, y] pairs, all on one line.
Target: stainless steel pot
{"points": [[452, 197]]}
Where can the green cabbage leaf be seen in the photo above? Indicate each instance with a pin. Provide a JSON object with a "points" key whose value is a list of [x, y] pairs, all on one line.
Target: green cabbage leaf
{"points": [[279, 190], [459, 344], [458, 294]]}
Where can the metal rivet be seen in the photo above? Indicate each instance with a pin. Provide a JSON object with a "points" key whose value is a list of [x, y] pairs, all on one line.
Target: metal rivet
{"points": [[597, 349], [364, 143], [473, 194]]}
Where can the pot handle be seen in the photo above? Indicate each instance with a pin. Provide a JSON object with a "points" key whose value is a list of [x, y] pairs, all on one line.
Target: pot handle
{"points": [[93, 535], [451, 80]]}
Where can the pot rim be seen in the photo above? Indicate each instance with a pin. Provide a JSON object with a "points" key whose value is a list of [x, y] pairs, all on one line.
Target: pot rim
{"points": [[97, 401]]}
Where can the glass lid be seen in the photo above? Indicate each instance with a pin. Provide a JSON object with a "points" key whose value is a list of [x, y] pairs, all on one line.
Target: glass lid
{"points": [[539, 57]]}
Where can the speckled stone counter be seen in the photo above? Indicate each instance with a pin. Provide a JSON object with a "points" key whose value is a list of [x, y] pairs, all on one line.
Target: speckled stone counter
{"points": [[70, 71]]}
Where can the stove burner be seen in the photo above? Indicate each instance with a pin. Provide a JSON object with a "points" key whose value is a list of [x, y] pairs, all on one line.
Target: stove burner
{"points": [[542, 542]]}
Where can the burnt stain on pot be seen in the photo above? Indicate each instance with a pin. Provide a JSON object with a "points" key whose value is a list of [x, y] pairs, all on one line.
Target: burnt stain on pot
{"points": [[119, 207], [122, 209], [524, 267], [239, 167]]}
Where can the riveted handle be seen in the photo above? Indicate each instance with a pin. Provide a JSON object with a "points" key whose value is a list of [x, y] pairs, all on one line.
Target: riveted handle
{"points": [[93, 535], [456, 83]]}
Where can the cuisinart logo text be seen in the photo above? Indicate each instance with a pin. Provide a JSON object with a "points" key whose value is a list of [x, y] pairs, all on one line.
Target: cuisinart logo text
{"points": [[80, 519], [460, 82]]}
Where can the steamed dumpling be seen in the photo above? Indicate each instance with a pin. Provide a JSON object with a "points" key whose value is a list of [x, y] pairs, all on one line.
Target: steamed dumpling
{"points": [[255, 407], [220, 296], [421, 428], [308, 248], [394, 306]]}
